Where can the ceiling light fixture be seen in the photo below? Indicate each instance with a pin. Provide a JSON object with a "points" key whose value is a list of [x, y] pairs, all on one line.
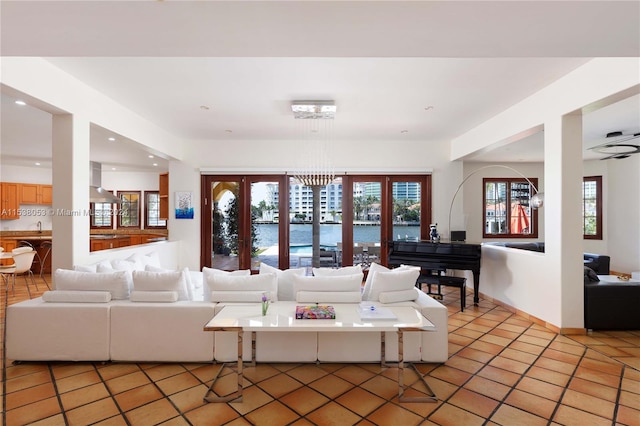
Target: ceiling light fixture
{"points": [[313, 109], [617, 146], [111, 139], [315, 128], [21, 103]]}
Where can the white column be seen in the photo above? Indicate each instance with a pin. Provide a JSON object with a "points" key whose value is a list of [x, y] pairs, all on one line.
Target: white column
{"points": [[70, 220], [562, 210]]}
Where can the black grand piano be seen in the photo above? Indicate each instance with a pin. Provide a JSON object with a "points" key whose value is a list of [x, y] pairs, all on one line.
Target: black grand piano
{"points": [[439, 256]]}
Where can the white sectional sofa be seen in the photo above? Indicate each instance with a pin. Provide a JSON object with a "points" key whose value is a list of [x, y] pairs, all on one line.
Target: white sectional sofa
{"points": [[149, 315]]}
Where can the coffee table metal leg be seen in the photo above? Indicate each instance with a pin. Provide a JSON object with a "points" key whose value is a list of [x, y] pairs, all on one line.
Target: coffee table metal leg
{"points": [[401, 387], [210, 396]]}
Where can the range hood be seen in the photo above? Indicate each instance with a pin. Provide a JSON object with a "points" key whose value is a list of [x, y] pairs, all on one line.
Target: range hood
{"points": [[97, 194]]}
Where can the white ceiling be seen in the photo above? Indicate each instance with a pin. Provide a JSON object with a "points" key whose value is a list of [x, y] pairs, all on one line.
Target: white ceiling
{"points": [[425, 71]]}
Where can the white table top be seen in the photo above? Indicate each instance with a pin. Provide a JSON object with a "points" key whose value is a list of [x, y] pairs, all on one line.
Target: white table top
{"points": [[613, 279], [281, 317]]}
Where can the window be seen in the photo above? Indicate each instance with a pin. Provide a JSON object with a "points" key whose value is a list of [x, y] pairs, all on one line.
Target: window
{"points": [[592, 207], [152, 210], [506, 209], [129, 209], [102, 215]]}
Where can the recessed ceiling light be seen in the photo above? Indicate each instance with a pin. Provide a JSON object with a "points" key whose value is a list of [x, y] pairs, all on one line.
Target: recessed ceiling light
{"points": [[112, 139], [37, 164], [21, 103], [113, 168], [155, 164], [150, 156]]}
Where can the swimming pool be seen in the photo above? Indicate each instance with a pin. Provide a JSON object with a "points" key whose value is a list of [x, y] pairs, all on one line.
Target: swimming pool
{"points": [[307, 248]]}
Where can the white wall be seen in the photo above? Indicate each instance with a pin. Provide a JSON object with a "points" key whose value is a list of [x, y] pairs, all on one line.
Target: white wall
{"points": [[623, 214]]}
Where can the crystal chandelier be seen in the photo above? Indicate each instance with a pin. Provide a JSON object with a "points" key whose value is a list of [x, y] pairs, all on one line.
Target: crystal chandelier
{"points": [[315, 129]]}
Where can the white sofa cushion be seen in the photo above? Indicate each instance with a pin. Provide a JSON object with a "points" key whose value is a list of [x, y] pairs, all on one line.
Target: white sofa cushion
{"points": [[117, 283], [394, 280], [161, 281], [210, 275], [154, 296], [74, 296], [333, 272], [376, 267], [141, 261], [285, 279], [328, 289], [398, 296], [254, 284], [85, 268], [329, 296], [185, 293], [237, 296]]}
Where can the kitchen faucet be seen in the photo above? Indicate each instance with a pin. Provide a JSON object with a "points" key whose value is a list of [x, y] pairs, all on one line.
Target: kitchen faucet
{"points": [[39, 227]]}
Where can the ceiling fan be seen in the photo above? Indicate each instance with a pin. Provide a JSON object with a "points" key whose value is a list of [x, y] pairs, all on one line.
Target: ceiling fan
{"points": [[617, 146]]}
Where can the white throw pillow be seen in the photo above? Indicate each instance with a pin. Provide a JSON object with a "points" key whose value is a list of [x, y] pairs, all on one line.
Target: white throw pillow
{"points": [[86, 268], [335, 284], [161, 281], [285, 279], [376, 267], [394, 280], [123, 265], [116, 283], [399, 296], [185, 271], [263, 283], [154, 296], [209, 276], [333, 272], [73, 296]]}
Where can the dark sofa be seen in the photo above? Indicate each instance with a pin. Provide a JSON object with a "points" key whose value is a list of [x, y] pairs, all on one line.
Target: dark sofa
{"points": [[598, 262], [612, 305]]}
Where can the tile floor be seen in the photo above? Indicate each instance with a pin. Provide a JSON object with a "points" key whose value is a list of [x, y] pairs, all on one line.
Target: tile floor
{"points": [[503, 370]]}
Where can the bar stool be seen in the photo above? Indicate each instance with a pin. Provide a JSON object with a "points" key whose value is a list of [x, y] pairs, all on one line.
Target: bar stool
{"points": [[45, 245], [36, 260]]}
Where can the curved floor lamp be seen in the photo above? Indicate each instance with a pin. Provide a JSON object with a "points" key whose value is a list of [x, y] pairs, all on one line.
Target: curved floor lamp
{"points": [[536, 201]]}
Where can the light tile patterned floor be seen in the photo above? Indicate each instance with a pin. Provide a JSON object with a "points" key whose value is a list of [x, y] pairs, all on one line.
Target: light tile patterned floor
{"points": [[503, 370]]}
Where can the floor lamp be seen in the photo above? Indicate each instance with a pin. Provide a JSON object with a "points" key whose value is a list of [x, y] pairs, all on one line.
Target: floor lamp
{"points": [[536, 201]]}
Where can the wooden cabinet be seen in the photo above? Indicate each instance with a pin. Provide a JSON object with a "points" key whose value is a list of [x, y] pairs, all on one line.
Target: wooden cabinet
{"points": [[164, 196], [8, 245], [135, 239], [9, 200], [32, 193]]}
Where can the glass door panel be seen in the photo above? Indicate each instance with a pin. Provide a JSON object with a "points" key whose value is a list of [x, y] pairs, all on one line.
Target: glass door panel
{"points": [[226, 225], [406, 208], [367, 219], [265, 219], [301, 207]]}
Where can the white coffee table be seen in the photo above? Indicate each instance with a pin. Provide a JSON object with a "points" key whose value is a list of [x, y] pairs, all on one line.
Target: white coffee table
{"points": [[281, 318]]}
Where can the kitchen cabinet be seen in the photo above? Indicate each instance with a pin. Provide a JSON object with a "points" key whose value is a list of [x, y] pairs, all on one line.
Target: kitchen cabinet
{"points": [[32, 193], [163, 193], [9, 200], [8, 245]]}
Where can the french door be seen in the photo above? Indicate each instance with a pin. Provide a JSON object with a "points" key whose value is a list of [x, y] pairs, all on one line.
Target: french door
{"points": [[239, 211], [381, 209], [252, 219]]}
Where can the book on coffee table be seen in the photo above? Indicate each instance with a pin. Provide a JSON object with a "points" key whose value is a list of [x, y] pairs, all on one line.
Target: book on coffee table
{"points": [[315, 312]]}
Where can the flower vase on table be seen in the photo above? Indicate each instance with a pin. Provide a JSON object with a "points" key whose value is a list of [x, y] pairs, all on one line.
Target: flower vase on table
{"points": [[265, 304]]}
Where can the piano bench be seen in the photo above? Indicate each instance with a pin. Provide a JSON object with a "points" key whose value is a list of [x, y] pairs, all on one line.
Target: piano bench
{"points": [[441, 280]]}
